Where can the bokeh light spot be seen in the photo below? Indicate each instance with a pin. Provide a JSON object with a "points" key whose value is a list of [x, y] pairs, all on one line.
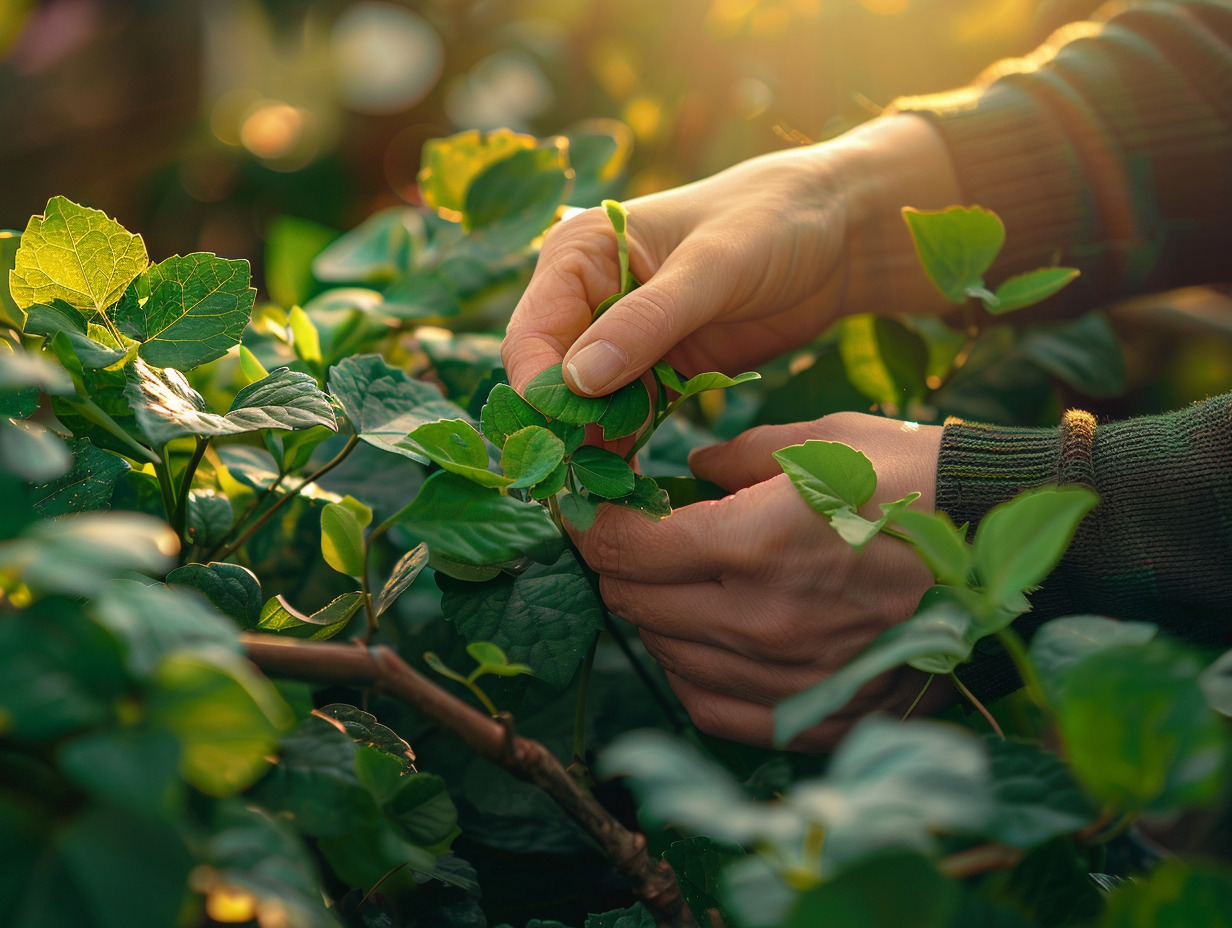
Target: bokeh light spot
{"points": [[385, 57], [277, 131]]}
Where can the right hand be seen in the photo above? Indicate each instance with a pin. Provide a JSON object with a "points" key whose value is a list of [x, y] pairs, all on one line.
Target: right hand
{"points": [[737, 268]]}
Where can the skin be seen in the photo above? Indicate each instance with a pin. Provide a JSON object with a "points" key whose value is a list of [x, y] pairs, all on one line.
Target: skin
{"points": [[749, 599]]}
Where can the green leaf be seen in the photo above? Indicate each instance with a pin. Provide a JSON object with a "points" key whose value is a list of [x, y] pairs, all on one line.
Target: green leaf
{"points": [[604, 473], [627, 411], [89, 354], [304, 337], [1138, 731], [403, 575], [699, 863], [136, 769], [884, 360], [1018, 543], [455, 445], [545, 617], [936, 640], [89, 485], [530, 455], [1030, 288], [515, 200], [1084, 353], [427, 294], [829, 474], [647, 498], [363, 728], [416, 803], [549, 394], [75, 254], [942, 546], [1036, 797], [450, 165], [636, 916], [227, 717], [956, 246], [291, 244], [505, 412], [342, 537], [280, 617], [1176, 894], [23, 369], [712, 380], [377, 251], [1051, 886], [384, 405], [252, 368], [167, 407], [58, 316], [888, 890], [1060, 644], [1216, 682], [10, 313], [35, 453], [15, 402], [666, 376], [197, 309], [474, 524], [153, 621], [232, 589], [553, 483], [858, 531], [293, 450], [580, 510]]}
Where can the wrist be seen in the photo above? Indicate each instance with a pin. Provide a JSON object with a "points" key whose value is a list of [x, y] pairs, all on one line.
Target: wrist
{"points": [[878, 168]]}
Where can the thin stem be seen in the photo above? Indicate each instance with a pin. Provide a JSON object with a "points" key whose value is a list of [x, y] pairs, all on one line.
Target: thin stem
{"points": [[911, 708], [1017, 651], [980, 707], [287, 497], [163, 472], [179, 521], [91, 411], [579, 712], [251, 508]]}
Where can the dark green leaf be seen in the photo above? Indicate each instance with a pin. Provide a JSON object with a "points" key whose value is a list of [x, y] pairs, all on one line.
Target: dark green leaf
{"points": [[232, 589], [403, 575], [956, 246], [580, 510], [16, 402], [549, 394], [829, 474], [1030, 288], [1036, 798], [378, 250], [553, 483], [423, 295], [1177, 894], [604, 473], [280, 617], [136, 769], [363, 728], [1060, 644], [699, 863], [198, 306], [530, 455], [455, 445], [886, 891], [515, 199], [627, 411], [47, 319], [88, 353], [476, 524], [885, 361], [75, 254], [506, 412], [684, 491], [1051, 887], [647, 498], [1084, 353], [88, 485], [545, 617], [636, 916], [416, 803], [451, 165]]}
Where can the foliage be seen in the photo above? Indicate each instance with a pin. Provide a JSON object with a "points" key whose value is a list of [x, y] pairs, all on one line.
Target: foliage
{"points": [[372, 477]]}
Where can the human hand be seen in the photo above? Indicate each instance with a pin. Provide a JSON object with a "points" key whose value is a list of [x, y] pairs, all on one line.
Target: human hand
{"points": [[752, 598], [739, 267]]}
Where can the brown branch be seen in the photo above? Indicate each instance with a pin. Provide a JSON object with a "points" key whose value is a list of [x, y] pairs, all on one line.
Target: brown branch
{"points": [[982, 859], [654, 882]]}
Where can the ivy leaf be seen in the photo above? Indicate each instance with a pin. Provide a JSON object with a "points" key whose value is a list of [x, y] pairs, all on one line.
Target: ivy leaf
{"points": [[531, 455], [505, 412], [167, 407], [384, 405], [936, 640], [197, 309], [1030, 288], [404, 573], [75, 254], [546, 616], [451, 164], [87, 486], [604, 473], [232, 589], [280, 617], [828, 474], [474, 524], [627, 411], [549, 394], [455, 445], [956, 246]]}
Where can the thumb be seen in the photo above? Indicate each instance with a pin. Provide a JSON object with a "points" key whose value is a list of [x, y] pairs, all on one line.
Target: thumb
{"points": [[692, 287], [749, 457]]}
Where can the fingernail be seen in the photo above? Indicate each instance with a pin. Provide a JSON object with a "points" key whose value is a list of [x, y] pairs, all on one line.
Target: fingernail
{"points": [[596, 366]]}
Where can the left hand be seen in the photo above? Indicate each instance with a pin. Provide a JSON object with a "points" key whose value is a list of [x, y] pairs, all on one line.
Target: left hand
{"points": [[752, 598]]}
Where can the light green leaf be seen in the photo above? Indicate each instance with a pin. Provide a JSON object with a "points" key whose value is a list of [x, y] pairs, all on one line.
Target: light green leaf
{"points": [[403, 575], [451, 164], [505, 412], [884, 360], [291, 243], [342, 538], [627, 411], [474, 524], [667, 376], [956, 246], [377, 251], [604, 473], [197, 309], [304, 337], [455, 445], [1019, 542], [942, 546], [1216, 682], [10, 313], [549, 394], [252, 368], [712, 380], [545, 617], [1176, 894], [829, 474], [531, 455], [491, 659], [75, 254], [280, 617], [1028, 289]]}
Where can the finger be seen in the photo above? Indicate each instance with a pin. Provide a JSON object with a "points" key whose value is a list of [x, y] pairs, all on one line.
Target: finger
{"points": [[696, 283], [695, 543], [722, 671], [577, 269], [749, 457]]}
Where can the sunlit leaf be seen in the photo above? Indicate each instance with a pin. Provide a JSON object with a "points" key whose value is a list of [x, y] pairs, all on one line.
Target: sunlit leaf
{"points": [[1028, 289], [409, 566], [451, 164], [828, 474], [956, 246]]}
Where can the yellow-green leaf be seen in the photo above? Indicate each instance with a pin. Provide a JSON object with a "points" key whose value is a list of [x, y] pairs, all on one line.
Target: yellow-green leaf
{"points": [[451, 164]]}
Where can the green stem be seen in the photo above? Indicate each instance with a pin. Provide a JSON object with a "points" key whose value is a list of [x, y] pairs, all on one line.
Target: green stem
{"points": [[92, 412], [980, 707], [579, 712], [287, 497], [246, 514], [179, 521], [168, 491], [1017, 651], [919, 696]]}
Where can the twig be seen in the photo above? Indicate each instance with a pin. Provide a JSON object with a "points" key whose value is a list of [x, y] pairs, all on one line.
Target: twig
{"points": [[983, 710], [983, 859], [380, 668]]}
